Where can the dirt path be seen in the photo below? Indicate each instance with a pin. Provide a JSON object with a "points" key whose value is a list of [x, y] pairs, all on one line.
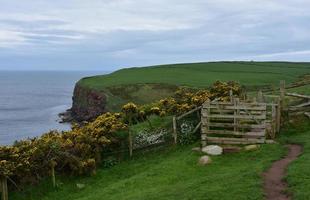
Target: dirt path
{"points": [[274, 186]]}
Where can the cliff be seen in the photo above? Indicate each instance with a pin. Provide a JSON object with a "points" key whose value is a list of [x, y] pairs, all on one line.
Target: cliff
{"points": [[87, 103]]}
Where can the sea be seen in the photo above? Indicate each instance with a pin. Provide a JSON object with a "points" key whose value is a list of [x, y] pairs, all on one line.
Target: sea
{"points": [[30, 102]]}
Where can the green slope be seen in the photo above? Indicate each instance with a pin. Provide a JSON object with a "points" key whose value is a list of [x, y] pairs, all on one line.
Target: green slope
{"points": [[170, 174], [148, 84], [173, 173], [203, 74]]}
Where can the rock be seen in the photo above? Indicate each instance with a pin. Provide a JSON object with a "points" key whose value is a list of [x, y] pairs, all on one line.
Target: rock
{"points": [[251, 147], [212, 150], [204, 160], [80, 185], [196, 149], [65, 116], [231, 149]]}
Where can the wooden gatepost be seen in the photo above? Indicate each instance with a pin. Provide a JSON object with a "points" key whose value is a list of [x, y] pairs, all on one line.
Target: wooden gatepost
{"points": [[233, 122], [4, 188]]}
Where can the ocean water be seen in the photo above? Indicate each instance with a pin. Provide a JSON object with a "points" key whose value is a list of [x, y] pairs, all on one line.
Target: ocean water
{"points": [[31, 100]]}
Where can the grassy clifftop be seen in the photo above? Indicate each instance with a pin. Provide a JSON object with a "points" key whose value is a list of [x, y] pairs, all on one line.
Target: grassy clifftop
{"points": [[202, 74], [148, 84]]}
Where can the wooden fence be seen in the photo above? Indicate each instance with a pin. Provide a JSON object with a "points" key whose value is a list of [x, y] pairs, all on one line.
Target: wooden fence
{"points": [[238, 122], [302, 108]]}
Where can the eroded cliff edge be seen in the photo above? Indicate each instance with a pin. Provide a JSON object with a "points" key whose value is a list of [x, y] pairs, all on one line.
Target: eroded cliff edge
{"points": [[87, 103]]}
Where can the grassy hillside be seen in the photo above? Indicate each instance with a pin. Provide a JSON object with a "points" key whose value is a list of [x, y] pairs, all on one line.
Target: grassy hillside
{"points": [[169, 174], [203, 74], [147, 84], [173, 173]]}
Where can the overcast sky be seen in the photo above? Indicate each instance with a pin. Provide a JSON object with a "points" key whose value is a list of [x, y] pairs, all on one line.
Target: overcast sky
{"points": [[110, 34]]}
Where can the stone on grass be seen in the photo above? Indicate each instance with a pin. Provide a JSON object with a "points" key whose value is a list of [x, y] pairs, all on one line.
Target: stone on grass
{"points": [[212, 150], [251, 147], [204, 160], [80, 186], [196, 149]]}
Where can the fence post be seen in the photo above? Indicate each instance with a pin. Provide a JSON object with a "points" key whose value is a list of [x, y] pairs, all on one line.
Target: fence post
{"points": [[130, 143], [231, 95], [175, 135], [236, 113], [53, 165], [282, 98], [282, 93], [273, 120], [260, 97], [4, 188], [278, 120]]}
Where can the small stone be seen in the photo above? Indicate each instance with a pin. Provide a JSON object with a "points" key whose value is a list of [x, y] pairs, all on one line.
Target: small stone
{"points": [[212, 150], [204, 160], [251, 147], [196, 149], [270, 142], [80, 186], [231, 149]]}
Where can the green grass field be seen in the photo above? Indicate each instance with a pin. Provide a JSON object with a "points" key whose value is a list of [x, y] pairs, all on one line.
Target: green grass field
{"points": [[170, 174], [203, 74]]}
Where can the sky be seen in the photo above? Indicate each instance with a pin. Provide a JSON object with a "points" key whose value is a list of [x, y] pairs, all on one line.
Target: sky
{"points": [[112, 34]]}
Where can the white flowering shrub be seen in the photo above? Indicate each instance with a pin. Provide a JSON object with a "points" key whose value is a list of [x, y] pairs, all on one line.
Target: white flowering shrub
{"points": [[147, 137]]}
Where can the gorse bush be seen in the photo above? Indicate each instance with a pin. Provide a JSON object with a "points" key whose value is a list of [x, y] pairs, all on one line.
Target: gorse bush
{"points": [[79, 150], [75, 152]]}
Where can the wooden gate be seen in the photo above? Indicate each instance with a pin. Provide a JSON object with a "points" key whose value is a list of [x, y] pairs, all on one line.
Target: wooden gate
{"points": [[233, 122]]}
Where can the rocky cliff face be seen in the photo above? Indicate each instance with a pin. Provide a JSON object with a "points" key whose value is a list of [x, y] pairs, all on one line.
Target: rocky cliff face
{"points": [[87, 103]]}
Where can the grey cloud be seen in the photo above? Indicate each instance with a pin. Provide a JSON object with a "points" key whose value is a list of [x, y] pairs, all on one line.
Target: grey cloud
{"points": [[113, 34]]}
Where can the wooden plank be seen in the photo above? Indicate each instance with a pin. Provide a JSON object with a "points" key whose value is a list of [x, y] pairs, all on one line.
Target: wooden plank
{"points": [[307, 114], [204, 135], [293, 109], [302, 105], [230, 125], [282, 95], [189, 112], [273, 122], [297, 113], [278, 116], [4, 188], [260, 96], [197, 127], [226, 132], [254, 117], [240, 107], [235, 140], [229, 103], [298, 95]]}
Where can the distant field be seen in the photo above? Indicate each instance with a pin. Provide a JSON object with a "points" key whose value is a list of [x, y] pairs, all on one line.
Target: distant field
{"points": [[203, 74]]}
